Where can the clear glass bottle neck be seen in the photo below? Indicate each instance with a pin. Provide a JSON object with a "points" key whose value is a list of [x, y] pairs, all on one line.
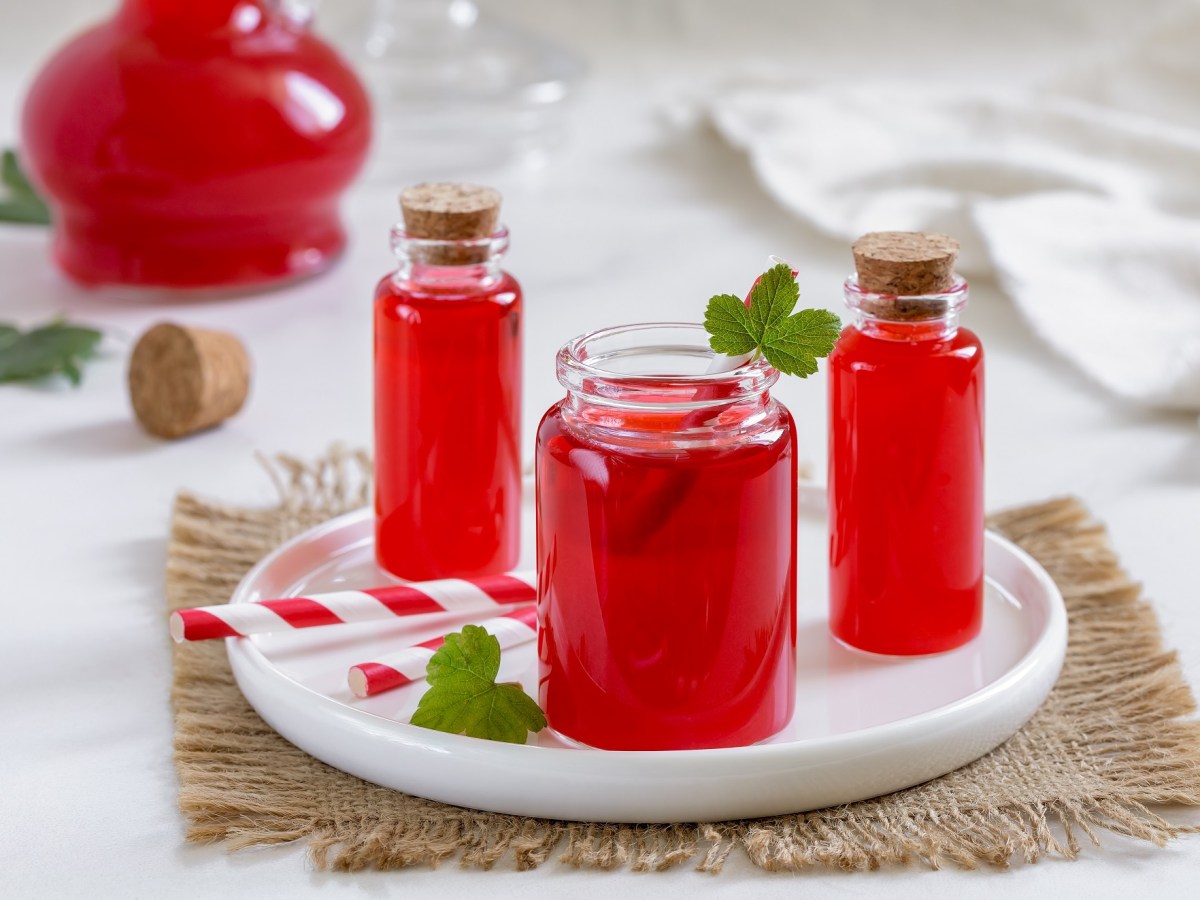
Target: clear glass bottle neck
{"points": [[650, 386], [906, 318], [436, 263]]}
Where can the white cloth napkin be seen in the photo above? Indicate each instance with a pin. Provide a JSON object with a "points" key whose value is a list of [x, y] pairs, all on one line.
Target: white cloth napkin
{"points": [[1086, 210]]}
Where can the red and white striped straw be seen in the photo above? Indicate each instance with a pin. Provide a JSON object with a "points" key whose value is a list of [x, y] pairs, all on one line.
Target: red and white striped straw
{"points": [[460, 595], [408, 665]]}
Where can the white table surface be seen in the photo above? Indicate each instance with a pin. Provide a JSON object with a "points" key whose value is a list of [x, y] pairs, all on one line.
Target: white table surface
{"points": [[635, 219]]}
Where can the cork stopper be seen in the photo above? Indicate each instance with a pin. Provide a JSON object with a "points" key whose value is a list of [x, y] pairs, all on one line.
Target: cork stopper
{"points": [[183, 380], [450, 212], [903, 264]]}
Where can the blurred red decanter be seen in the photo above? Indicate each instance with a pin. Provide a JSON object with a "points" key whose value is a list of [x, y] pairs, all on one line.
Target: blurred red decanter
{"points": [[196, 144]]}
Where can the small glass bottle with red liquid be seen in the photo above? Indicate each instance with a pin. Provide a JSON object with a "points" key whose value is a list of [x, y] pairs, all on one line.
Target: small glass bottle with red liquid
{"points": [[448, 391], [666, 546], [906, 453]]}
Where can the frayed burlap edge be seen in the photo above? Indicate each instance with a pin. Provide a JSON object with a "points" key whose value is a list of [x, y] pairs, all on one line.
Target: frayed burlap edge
{"points": [[1109, 743]]}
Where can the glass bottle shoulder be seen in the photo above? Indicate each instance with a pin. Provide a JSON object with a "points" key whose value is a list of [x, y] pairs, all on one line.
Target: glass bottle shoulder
{"points": [[857, 349], [392, 292]]}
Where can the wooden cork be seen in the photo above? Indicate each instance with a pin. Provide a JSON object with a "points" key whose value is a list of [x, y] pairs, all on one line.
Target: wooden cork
{"points": [[905, 264], [450, 212], [183, 380]]}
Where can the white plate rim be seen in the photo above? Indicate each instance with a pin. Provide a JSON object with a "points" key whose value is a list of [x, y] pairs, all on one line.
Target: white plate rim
{"points": [[1045, 654]]}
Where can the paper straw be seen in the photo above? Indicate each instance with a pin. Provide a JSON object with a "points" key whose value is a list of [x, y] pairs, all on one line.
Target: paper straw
{"points": [[408, 665], [460, 595]]}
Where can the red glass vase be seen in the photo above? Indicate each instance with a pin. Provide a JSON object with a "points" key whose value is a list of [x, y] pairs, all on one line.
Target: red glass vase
{"points": [[195, 144]]}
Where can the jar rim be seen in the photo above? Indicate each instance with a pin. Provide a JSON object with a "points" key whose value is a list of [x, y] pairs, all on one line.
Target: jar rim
{"points": [[592, 374]]}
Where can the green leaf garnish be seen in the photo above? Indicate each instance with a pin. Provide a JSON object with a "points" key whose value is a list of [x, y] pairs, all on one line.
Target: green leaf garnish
{"points": [[792, 343], [795, 344], [463, 697], [51, 349], [730, 328], [22, 203]]}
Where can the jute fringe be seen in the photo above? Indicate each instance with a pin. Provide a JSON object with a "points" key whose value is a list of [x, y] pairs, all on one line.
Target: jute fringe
{"points": [[1109, 743]]}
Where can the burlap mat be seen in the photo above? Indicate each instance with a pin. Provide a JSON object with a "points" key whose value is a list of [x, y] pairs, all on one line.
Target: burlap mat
{"points": [[1109, 742]]}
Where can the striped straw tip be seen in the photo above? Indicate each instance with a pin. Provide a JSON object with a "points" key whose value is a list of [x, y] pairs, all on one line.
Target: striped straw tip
{"points": [[357, 679], [176, 626]]}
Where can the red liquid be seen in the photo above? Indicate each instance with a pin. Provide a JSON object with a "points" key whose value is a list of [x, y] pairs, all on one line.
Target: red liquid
{"points": [[195, 143], [685, 635], [447, 425], [906, 490]]}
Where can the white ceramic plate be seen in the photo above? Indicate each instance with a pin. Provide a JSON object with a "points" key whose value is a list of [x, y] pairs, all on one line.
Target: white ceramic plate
{"points": [[864, 726]]}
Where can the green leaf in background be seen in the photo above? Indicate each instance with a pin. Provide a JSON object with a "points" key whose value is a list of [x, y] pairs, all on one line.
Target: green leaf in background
{"points": [[22, 203], [463, 697], [56, 348]]}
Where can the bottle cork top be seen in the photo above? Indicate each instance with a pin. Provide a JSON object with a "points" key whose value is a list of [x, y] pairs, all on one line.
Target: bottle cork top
{"points": [[905, 263], [450, 212]]}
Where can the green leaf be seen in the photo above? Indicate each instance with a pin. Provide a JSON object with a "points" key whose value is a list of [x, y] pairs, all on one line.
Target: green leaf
{"points": [[773, 297], [23, 204], [463, 697], [12, 177], [794, 345], [730, 326], [48, 350], [23, 212]]}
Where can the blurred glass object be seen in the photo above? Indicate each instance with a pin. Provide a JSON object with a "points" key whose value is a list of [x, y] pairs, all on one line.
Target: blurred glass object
{"points": [[456, 91], [196, 145]]}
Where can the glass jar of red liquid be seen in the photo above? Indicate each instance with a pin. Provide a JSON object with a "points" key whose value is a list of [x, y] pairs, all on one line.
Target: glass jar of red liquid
{"points": [[906, 510], [448, 409], [666, 546]]}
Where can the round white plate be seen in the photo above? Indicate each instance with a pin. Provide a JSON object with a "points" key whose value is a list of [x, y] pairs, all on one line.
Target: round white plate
{"points": [[864, 725]]}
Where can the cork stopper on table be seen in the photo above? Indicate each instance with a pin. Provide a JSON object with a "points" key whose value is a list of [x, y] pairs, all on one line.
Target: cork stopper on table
{"points": [[905, 264], [450, 212], [183, 380]]}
